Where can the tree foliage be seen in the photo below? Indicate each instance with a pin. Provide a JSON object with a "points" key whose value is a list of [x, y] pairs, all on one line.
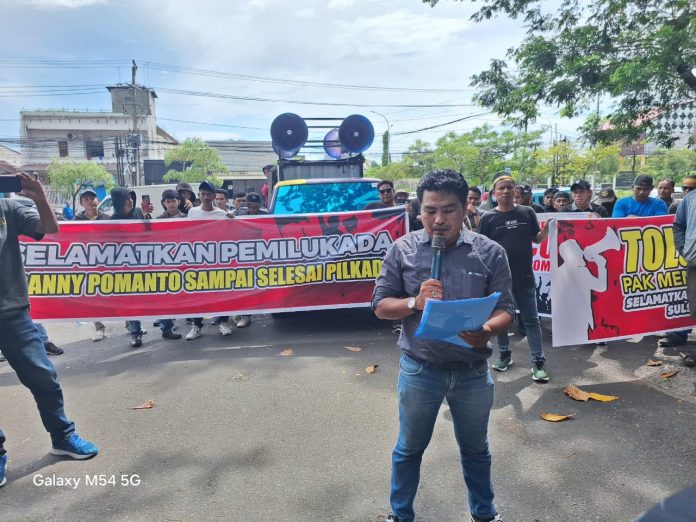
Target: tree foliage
{"points": [[641, 53], [69, 178], [200, 162], [671, 164]]}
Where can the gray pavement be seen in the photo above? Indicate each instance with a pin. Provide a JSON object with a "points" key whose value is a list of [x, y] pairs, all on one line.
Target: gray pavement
{"points": [[239, 432]]}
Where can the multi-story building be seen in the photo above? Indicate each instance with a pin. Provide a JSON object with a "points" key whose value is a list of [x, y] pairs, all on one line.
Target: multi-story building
{"points": [[120, 140]]}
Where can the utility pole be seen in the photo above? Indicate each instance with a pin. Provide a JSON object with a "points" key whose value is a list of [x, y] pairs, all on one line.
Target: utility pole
{"points": [[386, 137], [134, 137]]}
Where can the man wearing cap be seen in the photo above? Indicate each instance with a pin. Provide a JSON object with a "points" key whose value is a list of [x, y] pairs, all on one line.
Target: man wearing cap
{"points": [[253, 206], [206, 210], [640, 204], [523, 196], [582, 194], [561, 199], [514, 227], [607, 198], [90, 203], [187, 198], [688, 184]]}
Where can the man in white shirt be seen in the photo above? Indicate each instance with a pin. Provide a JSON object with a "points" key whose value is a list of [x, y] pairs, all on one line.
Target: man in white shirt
{"points": [[207, 210]]}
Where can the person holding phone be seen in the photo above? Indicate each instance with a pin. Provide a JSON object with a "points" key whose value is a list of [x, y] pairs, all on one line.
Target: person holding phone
{"points": [[22, 345]]}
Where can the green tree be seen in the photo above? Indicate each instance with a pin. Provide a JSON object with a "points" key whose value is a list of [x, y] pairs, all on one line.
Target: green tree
{"points": [[200, 162], [671, 164], [641, 53], [418, 159], [69, 178]]}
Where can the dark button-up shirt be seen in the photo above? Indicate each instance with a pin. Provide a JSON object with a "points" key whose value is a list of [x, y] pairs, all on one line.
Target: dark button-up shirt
{"points": [[474, 267]]}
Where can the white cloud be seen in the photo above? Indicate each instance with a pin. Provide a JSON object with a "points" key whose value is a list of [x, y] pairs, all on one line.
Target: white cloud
{"points": [[340, 4]]}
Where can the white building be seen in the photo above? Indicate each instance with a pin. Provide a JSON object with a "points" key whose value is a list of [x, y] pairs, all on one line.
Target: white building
{"points": [[120, 140], [9, 160]]}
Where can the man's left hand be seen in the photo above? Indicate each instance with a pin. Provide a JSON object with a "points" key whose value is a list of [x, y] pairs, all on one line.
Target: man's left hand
{"points": [[477, 338]]}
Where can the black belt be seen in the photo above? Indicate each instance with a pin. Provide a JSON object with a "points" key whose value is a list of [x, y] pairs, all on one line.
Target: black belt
{"points": [[447, 365]]}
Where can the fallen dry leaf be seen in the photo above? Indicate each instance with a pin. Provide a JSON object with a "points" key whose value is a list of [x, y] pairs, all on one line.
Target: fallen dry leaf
{"points": [[286, 352], [576, 393], [555, 417], [579, 395], [241, 376], [371, 369], [353, 348], [602, 398], [147, 406], [667, 375], [652, 362]]}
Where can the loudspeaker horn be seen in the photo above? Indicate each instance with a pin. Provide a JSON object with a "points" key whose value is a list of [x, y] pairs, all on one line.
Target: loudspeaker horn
{"points": [[288, 133], [284, 154], [332, 145], [356, 133]]}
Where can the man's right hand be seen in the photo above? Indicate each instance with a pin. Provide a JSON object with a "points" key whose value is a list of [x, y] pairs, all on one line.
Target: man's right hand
{"points": [[430, 289]]}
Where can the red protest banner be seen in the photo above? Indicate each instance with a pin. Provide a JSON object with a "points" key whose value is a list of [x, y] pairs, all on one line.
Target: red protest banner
{"points": [[189, 268], [616, 278]]}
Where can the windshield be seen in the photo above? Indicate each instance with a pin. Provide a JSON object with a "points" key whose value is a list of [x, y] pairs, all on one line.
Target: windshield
{"points": [[311, 198]]}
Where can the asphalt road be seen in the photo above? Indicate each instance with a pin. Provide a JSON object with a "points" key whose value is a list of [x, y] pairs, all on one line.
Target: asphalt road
{"points": [[239, 432]]}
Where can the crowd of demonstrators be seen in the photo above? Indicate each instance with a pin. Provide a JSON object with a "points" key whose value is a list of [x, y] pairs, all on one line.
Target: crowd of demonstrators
{"points": [[385, 189], [640, 203], [523, 196], [688, 184], [581, 192], [90, 203], [431, 371], [22, 344], [514, 227]]}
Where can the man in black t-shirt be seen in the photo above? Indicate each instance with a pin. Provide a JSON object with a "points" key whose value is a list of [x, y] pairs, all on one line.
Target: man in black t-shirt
{"points": [[514, 227]]}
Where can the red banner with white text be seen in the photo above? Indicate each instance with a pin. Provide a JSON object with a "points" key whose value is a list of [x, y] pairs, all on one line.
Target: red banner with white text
{"points": [[616, 278], [187, 268]]}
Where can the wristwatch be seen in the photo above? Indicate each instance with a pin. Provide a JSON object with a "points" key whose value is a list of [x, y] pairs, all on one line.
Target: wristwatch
{"points": [[411, 303]]}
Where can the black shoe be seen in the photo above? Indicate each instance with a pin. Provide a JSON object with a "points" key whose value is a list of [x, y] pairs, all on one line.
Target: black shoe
{"points": [[392, 518], [136, 340], [168, 334], [52, 349], [672, 340]]}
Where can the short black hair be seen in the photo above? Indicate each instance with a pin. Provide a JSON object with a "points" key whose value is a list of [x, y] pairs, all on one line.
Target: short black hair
{"points": [[551, 190], [223, 192], [475, 189], [240, 195], [448, 180], [385, 182], [670, 181]]}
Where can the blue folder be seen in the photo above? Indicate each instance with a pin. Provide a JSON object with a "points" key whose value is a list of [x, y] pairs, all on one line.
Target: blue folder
{"points": [[443, 320]]}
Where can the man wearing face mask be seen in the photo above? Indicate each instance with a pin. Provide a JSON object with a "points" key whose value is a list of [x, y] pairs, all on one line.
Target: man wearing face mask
{"points": [[430, 371]]}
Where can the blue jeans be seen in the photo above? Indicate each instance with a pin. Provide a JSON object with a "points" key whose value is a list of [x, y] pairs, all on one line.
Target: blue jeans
{"points": [[134, 326], [469, 394], [42, 332], [25, 352], [526, 301]]}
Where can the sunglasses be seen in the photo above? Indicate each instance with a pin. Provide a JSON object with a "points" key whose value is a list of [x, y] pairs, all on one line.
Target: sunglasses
{"points": [[687, 189], [385, 191]]}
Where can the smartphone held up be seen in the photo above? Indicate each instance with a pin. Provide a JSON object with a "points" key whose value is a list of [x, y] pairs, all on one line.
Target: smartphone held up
{"points": [[10, 184]]}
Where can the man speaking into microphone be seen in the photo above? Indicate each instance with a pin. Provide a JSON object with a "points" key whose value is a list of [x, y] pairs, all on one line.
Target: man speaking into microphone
{"points": [[444, 261]]}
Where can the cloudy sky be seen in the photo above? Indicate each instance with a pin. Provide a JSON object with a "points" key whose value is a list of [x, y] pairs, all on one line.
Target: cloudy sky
{"points": [[401, 58]]}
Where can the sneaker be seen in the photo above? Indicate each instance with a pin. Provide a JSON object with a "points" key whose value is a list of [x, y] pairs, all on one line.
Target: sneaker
{"points": [[244, 321], [392, 518], [52, 349], [3, 465], [169, 334], [224, 328], [99, 335], [73, 446], [496, 518], [502, 364], [539, 374], [136, 340], [216, 321], [195, 333]]}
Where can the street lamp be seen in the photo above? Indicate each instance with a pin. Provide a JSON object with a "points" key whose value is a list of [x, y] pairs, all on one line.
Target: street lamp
{"points": [[385, 153]]}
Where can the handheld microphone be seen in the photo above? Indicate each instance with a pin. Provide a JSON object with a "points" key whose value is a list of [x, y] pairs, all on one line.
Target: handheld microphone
{"points": [[438, 244]]}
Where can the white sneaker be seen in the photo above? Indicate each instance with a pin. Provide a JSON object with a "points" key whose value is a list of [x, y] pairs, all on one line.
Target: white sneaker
{"points": [[99, 335], [244, 321], [224, 328], [195, 333]]}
